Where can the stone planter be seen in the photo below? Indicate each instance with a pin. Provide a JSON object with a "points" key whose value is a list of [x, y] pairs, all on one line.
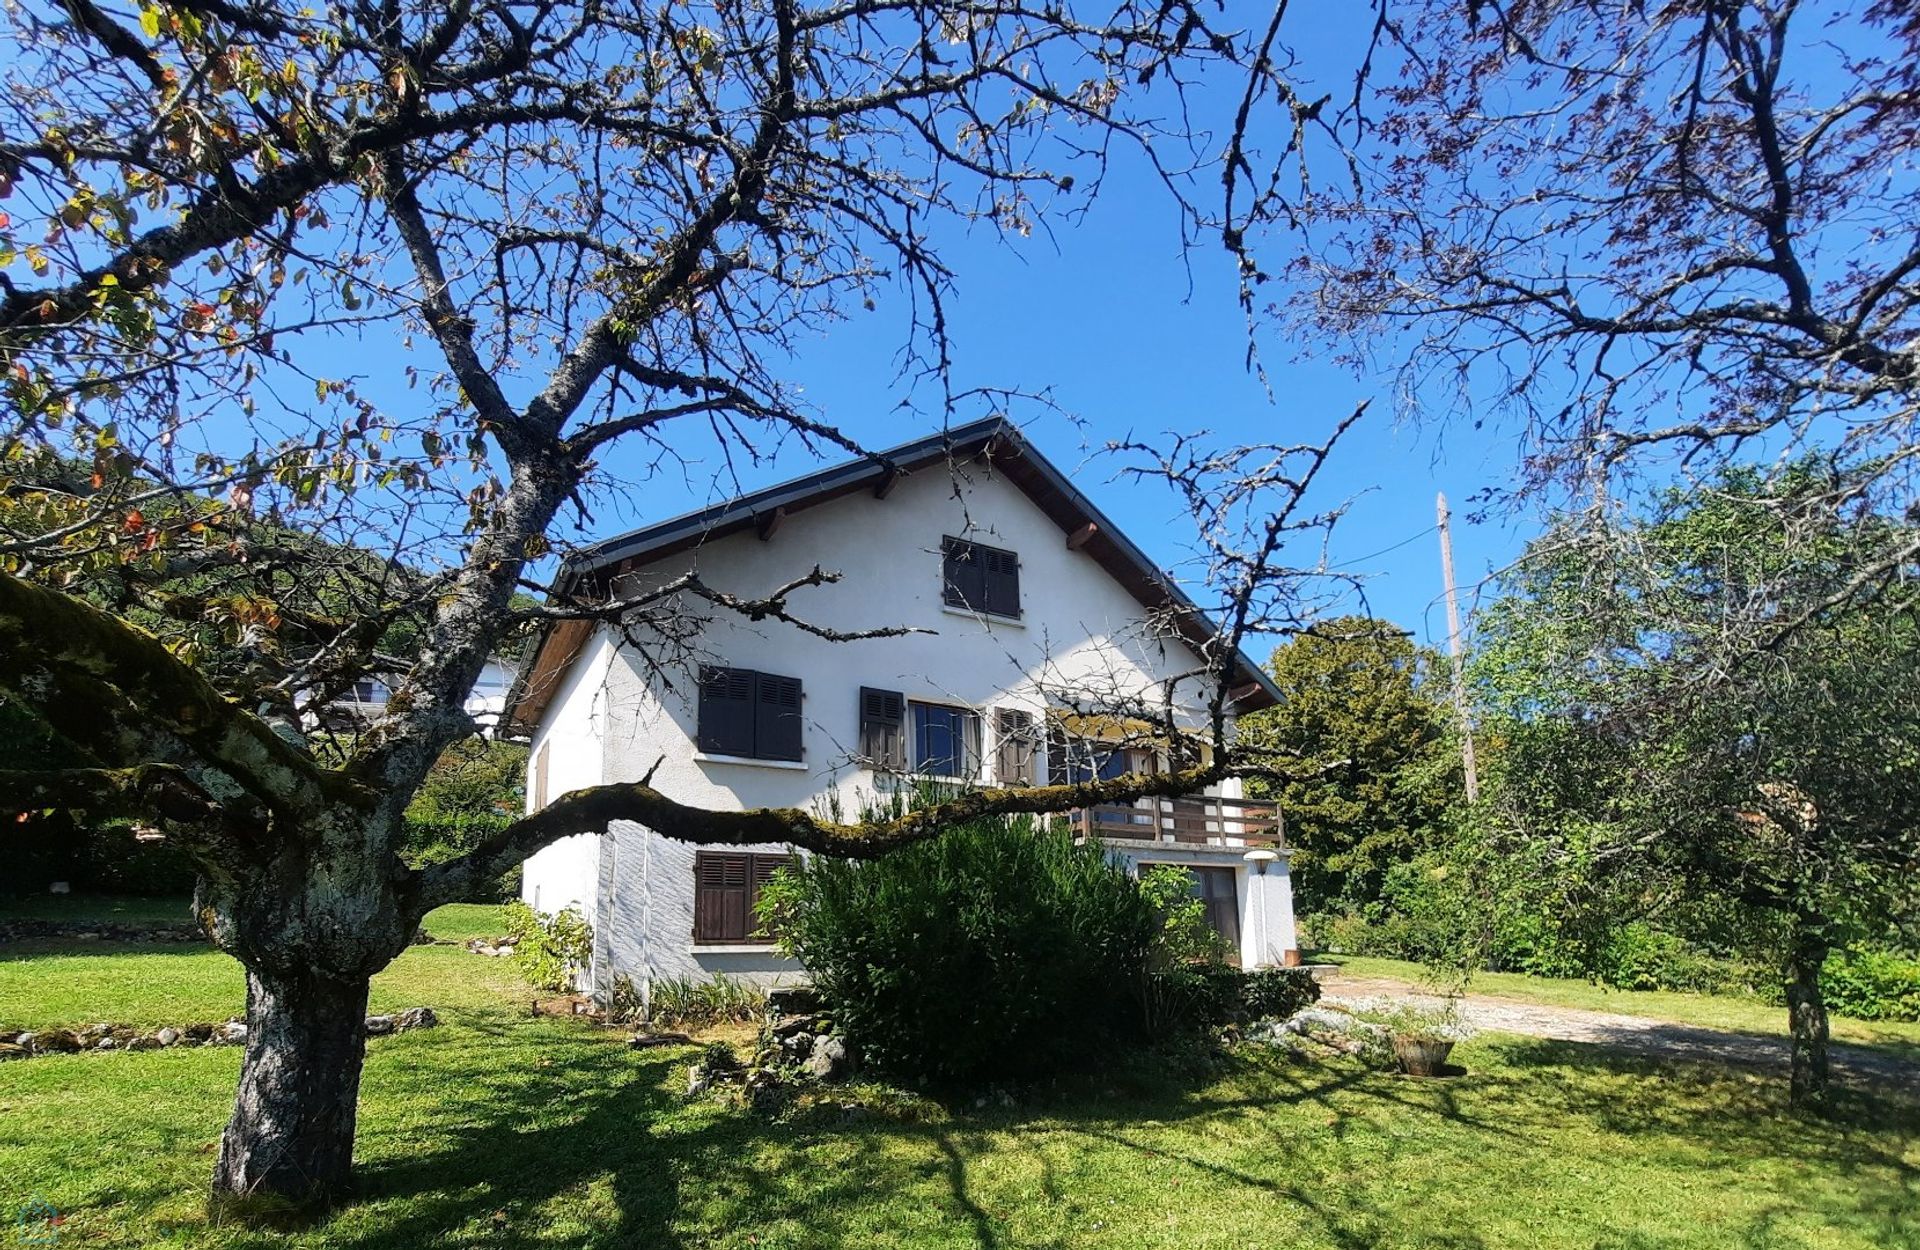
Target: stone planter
{"points": [[1421, 1056]]}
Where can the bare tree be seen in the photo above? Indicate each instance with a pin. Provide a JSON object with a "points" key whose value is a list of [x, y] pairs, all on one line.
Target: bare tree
{"points": [[1643, 233], [605, 225]]}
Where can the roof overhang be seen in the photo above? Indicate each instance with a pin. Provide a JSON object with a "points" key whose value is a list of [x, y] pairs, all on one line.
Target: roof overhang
{"points": [[588, 576]]}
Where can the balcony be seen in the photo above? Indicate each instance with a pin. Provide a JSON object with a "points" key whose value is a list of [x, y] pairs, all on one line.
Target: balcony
{"points": [[1189, 820]]}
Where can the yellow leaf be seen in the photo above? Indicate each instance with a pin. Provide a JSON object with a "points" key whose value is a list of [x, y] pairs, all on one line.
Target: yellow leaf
{"points": [[150, 23]]}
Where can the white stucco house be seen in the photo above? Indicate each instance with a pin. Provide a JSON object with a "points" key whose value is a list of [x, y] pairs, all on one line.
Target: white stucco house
{"points": [[1039, 624]]}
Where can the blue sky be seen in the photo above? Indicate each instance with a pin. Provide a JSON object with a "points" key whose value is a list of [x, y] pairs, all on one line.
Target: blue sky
{"points": [[1132, 336], [1103, 316]]}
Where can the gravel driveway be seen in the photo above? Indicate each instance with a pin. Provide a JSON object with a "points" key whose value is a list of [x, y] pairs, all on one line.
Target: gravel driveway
{"points": [[1634, 1034]]}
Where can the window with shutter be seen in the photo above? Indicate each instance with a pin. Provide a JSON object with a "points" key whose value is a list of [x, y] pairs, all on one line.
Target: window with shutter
{"points": [[1013, 746], [748, 714], [721, 883], [883, 738], [726, 893], [726, 710], [777, 718], [946, 741], [980, 578]]}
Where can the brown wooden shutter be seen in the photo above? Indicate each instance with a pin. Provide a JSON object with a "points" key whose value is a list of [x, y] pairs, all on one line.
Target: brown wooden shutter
{"points": [[726, 715], [763, 868], [540, 776], [777, 723], [722, 888], [966, 585], [1013, 746], [883, 737], [1000, 577]]}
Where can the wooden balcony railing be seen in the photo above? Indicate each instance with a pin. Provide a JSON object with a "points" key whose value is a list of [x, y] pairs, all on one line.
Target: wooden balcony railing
{"points": [[1190, 820]]}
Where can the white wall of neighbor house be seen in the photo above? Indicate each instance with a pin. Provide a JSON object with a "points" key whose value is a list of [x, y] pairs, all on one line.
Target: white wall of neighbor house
{"points": [[568, 752]]}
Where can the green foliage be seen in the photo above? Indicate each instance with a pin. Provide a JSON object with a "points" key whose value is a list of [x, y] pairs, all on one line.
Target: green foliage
{"points": [[550, 950], [1872, 985], [477, 779], [997, 950], [1362, 714], [1185, 936], [688, 1002], [1706, 735]]}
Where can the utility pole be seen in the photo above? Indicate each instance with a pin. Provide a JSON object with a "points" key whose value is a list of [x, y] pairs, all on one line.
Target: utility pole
{"points": [[1454, 649]]}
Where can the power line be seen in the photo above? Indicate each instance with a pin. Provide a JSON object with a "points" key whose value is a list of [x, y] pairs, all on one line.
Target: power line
{"points": [[1347, 564]]}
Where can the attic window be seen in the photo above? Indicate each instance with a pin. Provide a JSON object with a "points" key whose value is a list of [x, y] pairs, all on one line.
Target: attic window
{"points": [[980, 578]]}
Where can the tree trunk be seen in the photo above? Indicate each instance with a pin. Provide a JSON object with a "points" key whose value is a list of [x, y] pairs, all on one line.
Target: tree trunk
{"points": [[289, 1145], [1807, 1016]]}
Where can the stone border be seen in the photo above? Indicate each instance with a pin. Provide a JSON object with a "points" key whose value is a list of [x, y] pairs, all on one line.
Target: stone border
{"points": [[32, 1043], [37, 929]]}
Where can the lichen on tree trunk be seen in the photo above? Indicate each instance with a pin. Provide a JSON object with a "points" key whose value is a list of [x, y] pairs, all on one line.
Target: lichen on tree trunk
{"points": [[289, 1145], [1807, 1016]]}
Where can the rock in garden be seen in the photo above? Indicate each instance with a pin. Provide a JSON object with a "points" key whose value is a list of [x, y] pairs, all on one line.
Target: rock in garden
{"points": [[233, 1032], [144, 1043], [828, 1060], [12, 1050], [641, 1041], [379, 1026], [787, 1026], [415, 1018], [54, 1041], [167, 1037], [697, 1082]]}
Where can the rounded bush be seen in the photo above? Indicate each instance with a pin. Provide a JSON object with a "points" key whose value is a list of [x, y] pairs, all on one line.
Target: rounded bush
{"points": [[997, 950]]}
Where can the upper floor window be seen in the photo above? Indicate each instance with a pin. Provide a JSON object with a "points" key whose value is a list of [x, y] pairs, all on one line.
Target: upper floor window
{"points": [[883, 735], [946, 740], [749, 714], [1073, 759], [980, 578]]}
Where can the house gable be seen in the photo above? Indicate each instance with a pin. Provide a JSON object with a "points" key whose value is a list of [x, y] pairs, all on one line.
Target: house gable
{"points": [[977, 458]]}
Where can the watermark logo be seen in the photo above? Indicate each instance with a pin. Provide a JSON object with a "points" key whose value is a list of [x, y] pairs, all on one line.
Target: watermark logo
{"points": [[38, 1223]]}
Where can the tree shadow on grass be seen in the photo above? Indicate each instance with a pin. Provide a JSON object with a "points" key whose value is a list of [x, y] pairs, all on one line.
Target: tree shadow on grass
{"points": [[513, 1131]]}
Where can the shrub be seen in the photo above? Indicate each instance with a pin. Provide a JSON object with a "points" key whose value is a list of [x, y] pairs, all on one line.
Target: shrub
{"points": [[551, 950], [1276, 993], [1872, 985], [997, 950]]}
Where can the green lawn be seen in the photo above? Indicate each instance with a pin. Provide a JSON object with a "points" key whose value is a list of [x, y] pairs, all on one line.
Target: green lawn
{"points": [[499, 1130], [47, 983], [1713, 1011]]}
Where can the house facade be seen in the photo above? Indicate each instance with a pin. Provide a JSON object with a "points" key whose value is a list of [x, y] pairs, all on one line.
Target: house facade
{"points": [[1034, 643]]}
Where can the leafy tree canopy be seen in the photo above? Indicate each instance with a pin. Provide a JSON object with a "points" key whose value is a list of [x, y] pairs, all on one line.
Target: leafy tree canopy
{"points": [[1362, 709]]}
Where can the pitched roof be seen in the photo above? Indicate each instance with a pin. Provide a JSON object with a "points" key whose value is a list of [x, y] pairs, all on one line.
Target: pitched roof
{"points": [[590, 572]]}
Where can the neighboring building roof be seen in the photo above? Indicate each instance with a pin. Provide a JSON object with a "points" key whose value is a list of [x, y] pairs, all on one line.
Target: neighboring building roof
{"points": [[591, 571]]}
